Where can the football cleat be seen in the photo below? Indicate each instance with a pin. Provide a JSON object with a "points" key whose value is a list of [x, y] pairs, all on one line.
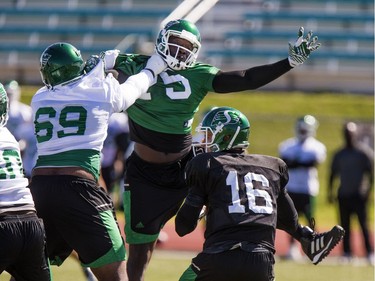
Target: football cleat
{"points": [[318, 245]]}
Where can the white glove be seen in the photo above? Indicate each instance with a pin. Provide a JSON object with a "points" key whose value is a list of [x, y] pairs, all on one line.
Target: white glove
{"points": [[110, 57], [302, 48], [156, 64]]}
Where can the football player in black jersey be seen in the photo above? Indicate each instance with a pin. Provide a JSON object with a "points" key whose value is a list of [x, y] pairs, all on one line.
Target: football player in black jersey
{"points": [[245, 201]]}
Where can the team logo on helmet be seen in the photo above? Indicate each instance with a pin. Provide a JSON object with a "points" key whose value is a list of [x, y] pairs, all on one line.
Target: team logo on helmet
{"points": [[223, 128], [44, 59]]}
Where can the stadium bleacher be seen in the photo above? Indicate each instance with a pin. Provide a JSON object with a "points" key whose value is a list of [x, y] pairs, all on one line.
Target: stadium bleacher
{"points": [[253, 32], [344, 63]]}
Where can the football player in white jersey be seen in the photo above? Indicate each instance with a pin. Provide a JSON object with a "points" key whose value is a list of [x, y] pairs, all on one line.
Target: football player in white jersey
{"points": [[22, 235], [303, 153], [71, 116]]}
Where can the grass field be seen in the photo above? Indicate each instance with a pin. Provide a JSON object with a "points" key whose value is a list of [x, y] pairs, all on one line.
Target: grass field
{"points": [[272, 117], [168, 266]]}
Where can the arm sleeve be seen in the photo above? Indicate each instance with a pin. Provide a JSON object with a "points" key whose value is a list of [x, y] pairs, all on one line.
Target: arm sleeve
{"points": [[287, 216], [135, 86], [249, 79], [187, 218]]}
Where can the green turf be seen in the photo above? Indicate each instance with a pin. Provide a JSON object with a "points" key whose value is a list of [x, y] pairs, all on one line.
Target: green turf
{"points": [[168, 266], [160, 269]]}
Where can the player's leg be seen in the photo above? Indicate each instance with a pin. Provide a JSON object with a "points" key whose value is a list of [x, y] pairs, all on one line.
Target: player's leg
{"points": [[86, 270], [115, 271], [152, 195], [361, 211], [10, 243], [32, 263], [315, 245], [22, 243], [236, 264], [84, 216], [300, 202], [107, 260], [139, 258], [345, 214]]}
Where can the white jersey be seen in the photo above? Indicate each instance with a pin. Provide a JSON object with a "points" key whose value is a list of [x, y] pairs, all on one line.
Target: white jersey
{"points": [[303, 179], [71, 120], [14, 194]]}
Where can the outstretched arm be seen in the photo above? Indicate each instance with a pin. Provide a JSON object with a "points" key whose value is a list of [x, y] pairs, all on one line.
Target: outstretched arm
{"points": [[255, 77], [249, 79]]}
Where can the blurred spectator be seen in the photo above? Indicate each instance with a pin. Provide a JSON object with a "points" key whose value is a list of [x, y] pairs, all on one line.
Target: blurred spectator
{"points": [[21, 126], [303, 153], [19, 112], [114, 153], [352, 166]]}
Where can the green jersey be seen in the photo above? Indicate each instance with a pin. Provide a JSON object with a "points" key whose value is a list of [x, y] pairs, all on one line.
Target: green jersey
{"points": [[170, 104]]}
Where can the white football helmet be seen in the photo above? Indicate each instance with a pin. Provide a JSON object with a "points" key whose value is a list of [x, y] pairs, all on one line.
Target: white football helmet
{"points": [[306, 127]]}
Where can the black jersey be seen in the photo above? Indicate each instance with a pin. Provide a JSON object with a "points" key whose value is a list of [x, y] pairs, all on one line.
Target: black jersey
{"points": [[240, 192]]}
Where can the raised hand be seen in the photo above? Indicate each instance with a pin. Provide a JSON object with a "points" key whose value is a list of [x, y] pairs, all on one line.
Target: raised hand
{"points": [[302, 48]]}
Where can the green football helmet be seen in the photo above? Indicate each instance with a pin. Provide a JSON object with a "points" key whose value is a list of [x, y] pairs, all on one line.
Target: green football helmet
{"points": [[61, 63], [4, 106], [224, 128], [181, 29], [306, 127]]}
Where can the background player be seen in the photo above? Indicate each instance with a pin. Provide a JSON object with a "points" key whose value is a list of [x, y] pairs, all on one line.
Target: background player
{"points": [[303, 153], [351, 178]]}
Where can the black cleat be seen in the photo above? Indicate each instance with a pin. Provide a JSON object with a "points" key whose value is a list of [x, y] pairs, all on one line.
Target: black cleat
{"points": [[318, 245]]}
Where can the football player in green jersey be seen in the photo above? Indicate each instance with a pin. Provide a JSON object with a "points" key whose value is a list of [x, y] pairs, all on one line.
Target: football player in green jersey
{"points": [[160, 125]]}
